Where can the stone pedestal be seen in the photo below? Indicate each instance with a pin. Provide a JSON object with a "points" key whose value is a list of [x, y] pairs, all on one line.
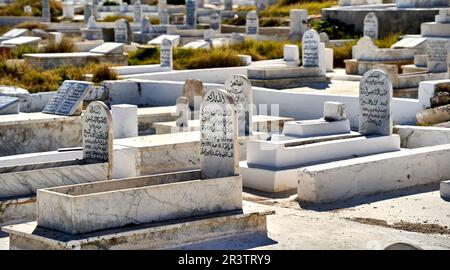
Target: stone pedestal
{"points": [[125, 121]]}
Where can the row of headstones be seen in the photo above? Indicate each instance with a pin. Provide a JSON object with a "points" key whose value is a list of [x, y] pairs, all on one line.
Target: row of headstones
{"points": [[298, 21]]}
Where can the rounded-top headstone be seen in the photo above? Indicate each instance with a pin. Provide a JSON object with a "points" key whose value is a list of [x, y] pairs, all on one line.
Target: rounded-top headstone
{"points": [[218, 135], [252, 23], [310, 48], [122, 31], [193, 90], [166, 54], [239, 88], [371, 25], [146, 25], [375, 98], [215, 21], [27, 9]]}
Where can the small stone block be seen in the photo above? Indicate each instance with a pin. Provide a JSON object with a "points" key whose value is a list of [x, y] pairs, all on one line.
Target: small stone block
{"points": [[334, 111]]}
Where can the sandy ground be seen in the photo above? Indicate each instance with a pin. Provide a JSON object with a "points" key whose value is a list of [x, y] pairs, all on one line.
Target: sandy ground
{"points": [[415, 216]]}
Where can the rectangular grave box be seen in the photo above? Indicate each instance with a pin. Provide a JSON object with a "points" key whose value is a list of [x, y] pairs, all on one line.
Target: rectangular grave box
{"points": [[111, 204]]}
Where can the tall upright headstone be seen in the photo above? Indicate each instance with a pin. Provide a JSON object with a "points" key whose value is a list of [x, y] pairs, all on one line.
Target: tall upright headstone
{"points": [[371, 25], [252, 23], [122, 31], [375, 109], [137, 9], [228, 4], [218, 135], [191, 14], [164, 17], [87, 12], [182, 112], [146, 25], [240, 90], [215, 23], [166, 53], [193, 90], [437, 55], [297, 24], [313, 51], [98, 134], [46, 10]]}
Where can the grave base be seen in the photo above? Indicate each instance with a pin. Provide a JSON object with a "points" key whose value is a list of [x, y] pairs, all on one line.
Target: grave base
{"points": [[16, 210], [445, 190], [289, 82], [163, 235]]}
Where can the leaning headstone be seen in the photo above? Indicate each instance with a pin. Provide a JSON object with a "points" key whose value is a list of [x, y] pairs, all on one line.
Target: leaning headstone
{"points": [[252, 23], [164, 17], [437, 55], [146, 26], [46, 10], [193, 90], [182, 112], [122, 31], [166, 53], [218, 135], [87, 12], [240, 90], [375, 98], [9, 105], [297, 24], [68, 98], [97, 134], [228, 4], [27, 9], [371, 25], [191, 14], [215, 22], [137, 11]]}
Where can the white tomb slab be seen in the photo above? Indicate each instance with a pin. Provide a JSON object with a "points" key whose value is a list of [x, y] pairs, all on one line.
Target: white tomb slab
{"points": [[22, 41], [311, 128], [175, 39], [9, 105], [16, 32], [409, 43], [198, 44], [109, 48]]}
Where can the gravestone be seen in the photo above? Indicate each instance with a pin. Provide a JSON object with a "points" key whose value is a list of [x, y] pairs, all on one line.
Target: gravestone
{"points": [[27, 9], [162, 4], [252, 23], [240, 90], [87, 12], [92, 32], [166, 53], [97, 134], [261, 5], [164, 17], [297, 24], [46, 10], [215, 22], [200, 3], [324, 37], [191, 14], [124, 7], [310, 48], [146, 26], [218, 135], [68, 98], [371, 25], [208, 35], [193, 90], [437, 55], [137, 11], [91, 24], [9, 105], [122, 31], [375, 98], [182, 112], [228, 4]]}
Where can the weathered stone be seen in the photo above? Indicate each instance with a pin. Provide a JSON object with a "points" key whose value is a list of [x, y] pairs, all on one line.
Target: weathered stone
{"points": [[122, 31], [437, 51], [182, 112], [240, 89], [440, 99], [252, 23], [297, 24], [334, 111], [137, 7], [371, 25], [191, 14], [193, 90], [433, 116]]}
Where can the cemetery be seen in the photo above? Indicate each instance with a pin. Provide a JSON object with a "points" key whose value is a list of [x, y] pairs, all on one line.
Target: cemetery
{"points": [[145, 125]]}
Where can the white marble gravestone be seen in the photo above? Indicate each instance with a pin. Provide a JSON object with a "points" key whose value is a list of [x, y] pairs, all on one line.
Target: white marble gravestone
{"points": [[437, 55], [191, 14], [166, 53], [164, 17], [122, 31], [146, 26], [240, 90], [97, 134], [371, 25], [9, 105], [46, 10], [310, 48], [27, 9], [137, 11], [252, 23], [215, 22], [375, 98], [297, 24], [218, 135], [182, 112], [68, 98]]}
